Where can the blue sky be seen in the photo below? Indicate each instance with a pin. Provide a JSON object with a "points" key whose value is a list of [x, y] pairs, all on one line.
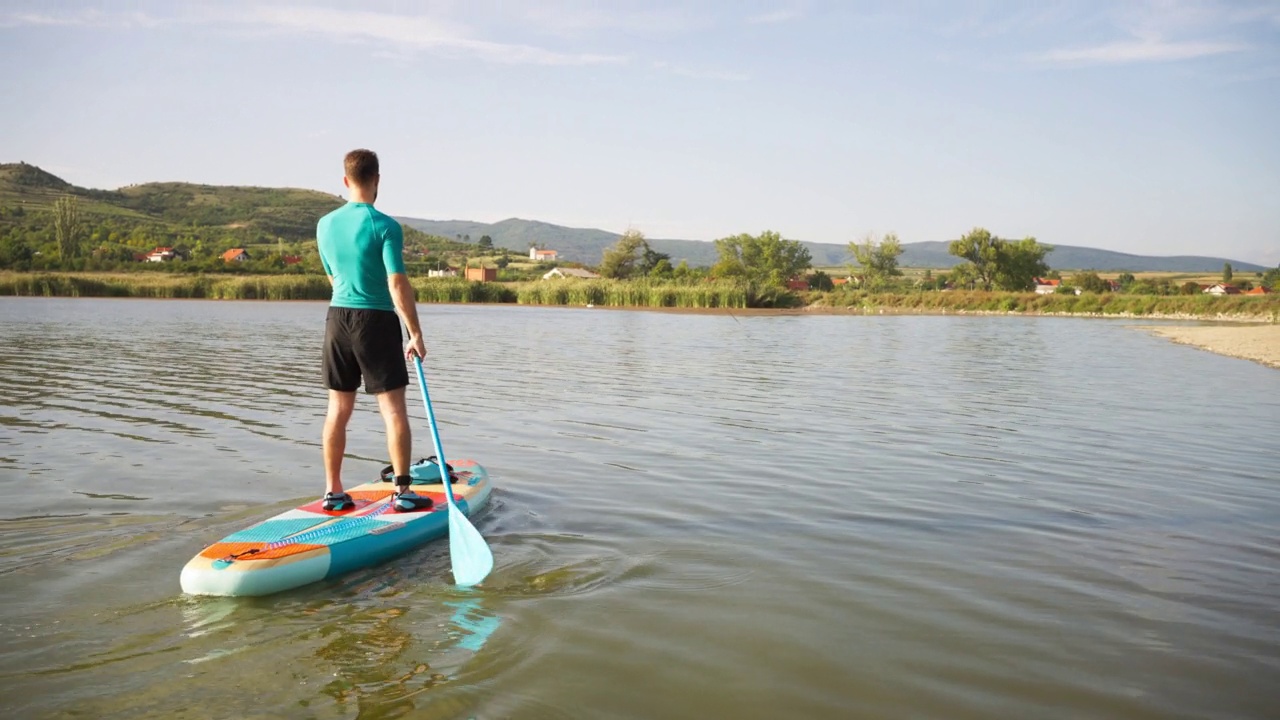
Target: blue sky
{"points": [[1144, 127]]}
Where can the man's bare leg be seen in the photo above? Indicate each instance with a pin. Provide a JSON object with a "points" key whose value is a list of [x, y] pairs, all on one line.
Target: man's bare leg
{"points": [[399, 438], [335, 437]]}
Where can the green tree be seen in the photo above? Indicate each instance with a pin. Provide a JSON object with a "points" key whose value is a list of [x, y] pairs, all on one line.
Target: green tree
{"points": [[486, 243], [1021, 263], [1271, 280], [981, 249], [993, 262], [652, 259], [1226, 272], [821, 281], [623, 259], [1126, 280], [877, 260], [1090, 282], [66, 227], [766, 259], [1189, 287], [662, 269]]}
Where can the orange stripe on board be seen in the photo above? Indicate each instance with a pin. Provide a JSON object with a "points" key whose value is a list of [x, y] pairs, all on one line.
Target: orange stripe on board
{"points": [[218, 551]]}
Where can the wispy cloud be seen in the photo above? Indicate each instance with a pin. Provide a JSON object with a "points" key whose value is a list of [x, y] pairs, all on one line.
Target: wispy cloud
{"points": [[407, 32], [394, 32], [1146, 50], [1167, 31], [84, 17]]}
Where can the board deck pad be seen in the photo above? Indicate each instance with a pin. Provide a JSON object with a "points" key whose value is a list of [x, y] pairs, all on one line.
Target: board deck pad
{"points": [[308, 543]]}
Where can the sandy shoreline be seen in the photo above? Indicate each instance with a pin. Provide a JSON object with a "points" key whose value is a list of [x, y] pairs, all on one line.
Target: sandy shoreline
{"points": [[1259, 343]]}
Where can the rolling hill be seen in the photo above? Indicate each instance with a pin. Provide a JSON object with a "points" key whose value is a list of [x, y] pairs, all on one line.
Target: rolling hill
{"points": [[170, 212], [587, 246]]}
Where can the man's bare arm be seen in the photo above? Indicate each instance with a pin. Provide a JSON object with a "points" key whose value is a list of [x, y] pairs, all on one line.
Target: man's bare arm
{"points": [[406, 302]]}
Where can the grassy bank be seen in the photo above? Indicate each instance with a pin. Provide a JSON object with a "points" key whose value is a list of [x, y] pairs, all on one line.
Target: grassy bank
{"points": [[1256, 307], [644, 293], [228, 287]]}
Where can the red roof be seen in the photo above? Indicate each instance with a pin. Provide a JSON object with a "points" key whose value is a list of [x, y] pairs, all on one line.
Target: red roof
{"points": [[1258, 291], [162, 250], [233, 253], [1047, 281]]}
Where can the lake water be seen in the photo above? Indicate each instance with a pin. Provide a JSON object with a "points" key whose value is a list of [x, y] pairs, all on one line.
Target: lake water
{"points": [[696, 516]]}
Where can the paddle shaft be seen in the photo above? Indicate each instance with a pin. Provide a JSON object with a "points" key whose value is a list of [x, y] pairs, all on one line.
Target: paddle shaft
{"points": [[435, 434]]}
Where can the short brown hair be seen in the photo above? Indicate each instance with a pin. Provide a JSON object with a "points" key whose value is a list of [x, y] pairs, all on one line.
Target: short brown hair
{"points": [[361, 166]]}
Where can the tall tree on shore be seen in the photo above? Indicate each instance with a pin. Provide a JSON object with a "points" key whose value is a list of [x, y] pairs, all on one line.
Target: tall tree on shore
{"points": [[66, 226], [624, 259], [1226, 272], [765, 258], [1005, 264], [877, 260]]}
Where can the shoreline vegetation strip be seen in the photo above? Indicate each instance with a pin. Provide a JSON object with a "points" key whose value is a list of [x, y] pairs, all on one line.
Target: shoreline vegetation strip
{"points": [[721, 294]]}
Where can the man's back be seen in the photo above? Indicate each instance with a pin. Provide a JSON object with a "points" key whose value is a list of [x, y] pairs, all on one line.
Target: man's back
{"points": [[359, 247]]}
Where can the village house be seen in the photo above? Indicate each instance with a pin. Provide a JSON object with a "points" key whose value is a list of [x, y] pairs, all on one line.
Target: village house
{"points": [[1260, 290], [542, 255], [161, 254], [1222, 289], [482, 274], [569, 273], [235, 255], [1047, 286]]}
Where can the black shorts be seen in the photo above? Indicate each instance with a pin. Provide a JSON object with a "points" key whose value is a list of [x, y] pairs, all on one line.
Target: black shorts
{"points": [[363, 343]]}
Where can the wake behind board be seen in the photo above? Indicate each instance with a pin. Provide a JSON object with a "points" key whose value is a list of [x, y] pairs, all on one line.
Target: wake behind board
{"points": [[308, 544]]}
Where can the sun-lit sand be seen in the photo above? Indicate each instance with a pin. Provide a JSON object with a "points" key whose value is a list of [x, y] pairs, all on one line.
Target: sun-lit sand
{"points": [[1260, 343]]}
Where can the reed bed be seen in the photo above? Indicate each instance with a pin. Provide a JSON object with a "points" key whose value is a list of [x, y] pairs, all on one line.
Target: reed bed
{"points": [[458, 290], [634, 293], [229, 287], [223, 287]]}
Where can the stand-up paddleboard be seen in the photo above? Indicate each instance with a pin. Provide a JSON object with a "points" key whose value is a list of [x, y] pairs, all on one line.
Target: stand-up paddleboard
{"points": [[308, 543]]}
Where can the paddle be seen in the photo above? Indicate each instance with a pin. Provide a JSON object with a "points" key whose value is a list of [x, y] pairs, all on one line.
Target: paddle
{"points": [[468, 552]]}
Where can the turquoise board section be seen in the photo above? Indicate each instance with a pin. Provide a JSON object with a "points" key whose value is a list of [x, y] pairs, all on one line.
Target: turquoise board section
{"points": [[272, 530]]}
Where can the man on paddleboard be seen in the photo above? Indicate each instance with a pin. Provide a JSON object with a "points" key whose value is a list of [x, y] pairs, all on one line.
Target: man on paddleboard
{"points": [[361, 250]]}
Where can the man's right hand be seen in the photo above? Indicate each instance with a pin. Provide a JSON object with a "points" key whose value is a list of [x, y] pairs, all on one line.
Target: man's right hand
{"points": [[415, 348]]}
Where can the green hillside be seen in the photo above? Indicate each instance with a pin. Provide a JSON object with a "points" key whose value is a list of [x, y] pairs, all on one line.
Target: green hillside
{"points": [[199, 221], [203, 221]]}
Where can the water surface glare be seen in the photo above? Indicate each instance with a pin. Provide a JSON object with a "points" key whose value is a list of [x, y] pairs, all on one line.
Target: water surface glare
{"points": [[696, 516]]}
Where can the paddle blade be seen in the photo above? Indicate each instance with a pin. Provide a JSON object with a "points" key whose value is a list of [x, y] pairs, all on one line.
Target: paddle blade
{"points": [[472, 560]]}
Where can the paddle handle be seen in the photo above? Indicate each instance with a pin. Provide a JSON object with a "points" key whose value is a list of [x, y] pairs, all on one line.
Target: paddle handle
{"points": [[435, 433]]}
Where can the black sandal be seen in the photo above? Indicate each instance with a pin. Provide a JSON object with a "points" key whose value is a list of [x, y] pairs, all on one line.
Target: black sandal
{"points": [[337, 502]]}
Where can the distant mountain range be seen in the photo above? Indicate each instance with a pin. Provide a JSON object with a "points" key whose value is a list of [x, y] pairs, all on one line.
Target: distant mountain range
{"points": [[587, 246], [176, 212]]}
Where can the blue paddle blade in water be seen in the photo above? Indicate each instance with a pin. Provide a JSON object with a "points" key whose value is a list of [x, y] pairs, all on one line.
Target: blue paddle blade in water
{"points": [[469, 554]]}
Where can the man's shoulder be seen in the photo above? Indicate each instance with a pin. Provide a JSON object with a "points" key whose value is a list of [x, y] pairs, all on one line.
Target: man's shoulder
{"points": [[329, 216], [386, 222]]}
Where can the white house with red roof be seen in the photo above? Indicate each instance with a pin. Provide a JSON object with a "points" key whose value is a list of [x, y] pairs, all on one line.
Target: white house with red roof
{"points": [[161, 254], [1222, 289], [1046, 286], [540, 255]]}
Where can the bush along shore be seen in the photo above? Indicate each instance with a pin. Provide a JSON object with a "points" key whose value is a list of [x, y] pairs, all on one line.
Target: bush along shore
{"points": [[721, 294]]}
